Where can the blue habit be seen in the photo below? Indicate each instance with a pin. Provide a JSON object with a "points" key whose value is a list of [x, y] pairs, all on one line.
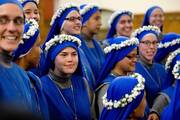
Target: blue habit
{"points": [[58, 108], [154, 79], [94, 55], [15, 87], [40, 103]]}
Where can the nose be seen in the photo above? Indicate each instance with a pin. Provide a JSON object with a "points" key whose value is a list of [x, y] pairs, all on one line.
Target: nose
{"points": [[69, 58], [11, 26]]}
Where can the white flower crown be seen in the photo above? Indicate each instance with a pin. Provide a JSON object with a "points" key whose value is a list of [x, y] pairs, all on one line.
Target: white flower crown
{"points": [[115, 14], [87, 8], [128, 98], [21, 1], [176, 70], [60, 39], [128, 42], [146, 28], [34, 26], [60, 11], [171, 57], [168, 44]]}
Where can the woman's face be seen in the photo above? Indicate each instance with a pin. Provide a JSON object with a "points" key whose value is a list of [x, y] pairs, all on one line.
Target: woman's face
{"points": [[156, 18], [124, 26], [148, 48], [72, 24], [127, 65], [31, 11], [94, 23], [66, 61]]}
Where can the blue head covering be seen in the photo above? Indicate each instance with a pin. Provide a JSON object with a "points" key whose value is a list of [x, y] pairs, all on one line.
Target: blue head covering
{"points": [[31, 33], [55, 46], [121, 88], [123, 46], [87, 10], [58, 20], [141, 32], [168, 44], [115, 17], [170, 63], [172, 111], [24, 2], [11, 1], [148, 14]]}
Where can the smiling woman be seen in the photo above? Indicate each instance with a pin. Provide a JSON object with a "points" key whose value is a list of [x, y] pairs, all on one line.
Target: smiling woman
{"points": [[14, 82], [11, 24], [153, 72], [64, 86]]}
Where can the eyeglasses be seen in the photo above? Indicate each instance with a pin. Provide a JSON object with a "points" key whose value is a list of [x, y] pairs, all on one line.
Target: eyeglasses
{"points": [[148, 43], [17, 20], [73, 19]]}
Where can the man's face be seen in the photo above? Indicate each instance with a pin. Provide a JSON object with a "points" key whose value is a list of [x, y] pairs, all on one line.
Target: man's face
{"points": [[11, 26]]}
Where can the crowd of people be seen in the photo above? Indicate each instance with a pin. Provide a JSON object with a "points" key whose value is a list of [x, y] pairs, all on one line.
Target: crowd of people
{"points": [[133, 74]]}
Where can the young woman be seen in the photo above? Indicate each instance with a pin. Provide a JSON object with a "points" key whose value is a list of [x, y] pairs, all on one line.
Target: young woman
{"points": [[91, 23], [154, 16], [153, 72], [120, 24], [31, 9], [125, 99], [120, 61], [65, 86], [14, 82]]}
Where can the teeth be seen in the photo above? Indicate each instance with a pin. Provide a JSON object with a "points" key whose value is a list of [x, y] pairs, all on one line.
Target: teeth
{"points": [[10, 37]]}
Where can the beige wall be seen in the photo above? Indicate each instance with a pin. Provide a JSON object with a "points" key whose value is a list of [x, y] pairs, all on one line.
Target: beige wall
{"points": [[136, 6]]}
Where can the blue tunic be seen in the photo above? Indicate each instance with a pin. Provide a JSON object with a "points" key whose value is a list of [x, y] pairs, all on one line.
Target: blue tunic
{"points": [[94, 55], [15, 87], [61, 102], [40, 104], [155, 76]]}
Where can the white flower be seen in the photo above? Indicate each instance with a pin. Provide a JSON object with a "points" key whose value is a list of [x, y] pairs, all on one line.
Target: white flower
{"points": [[176, 70], [34, 26], [87, 8], [60, 39], [117, 13], [171, 57], [128, 98], [129, 42], [146, 28], [61, 10], [169, 44]]}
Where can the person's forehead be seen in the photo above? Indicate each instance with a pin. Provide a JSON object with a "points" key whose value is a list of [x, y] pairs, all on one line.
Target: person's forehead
{"points": [[10, 9]]}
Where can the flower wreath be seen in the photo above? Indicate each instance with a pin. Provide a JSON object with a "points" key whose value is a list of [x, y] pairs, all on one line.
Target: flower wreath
{"points": [[60, 11], [34, 26], [176, 70], [87, 8], [115, 14], [168, 44], [60, 39], [128, 98], [146, 28], [171, 57], [129, 42]]}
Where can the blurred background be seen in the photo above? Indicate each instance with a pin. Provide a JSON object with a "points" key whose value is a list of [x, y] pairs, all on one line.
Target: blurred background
{"points": [[138, 7]]}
